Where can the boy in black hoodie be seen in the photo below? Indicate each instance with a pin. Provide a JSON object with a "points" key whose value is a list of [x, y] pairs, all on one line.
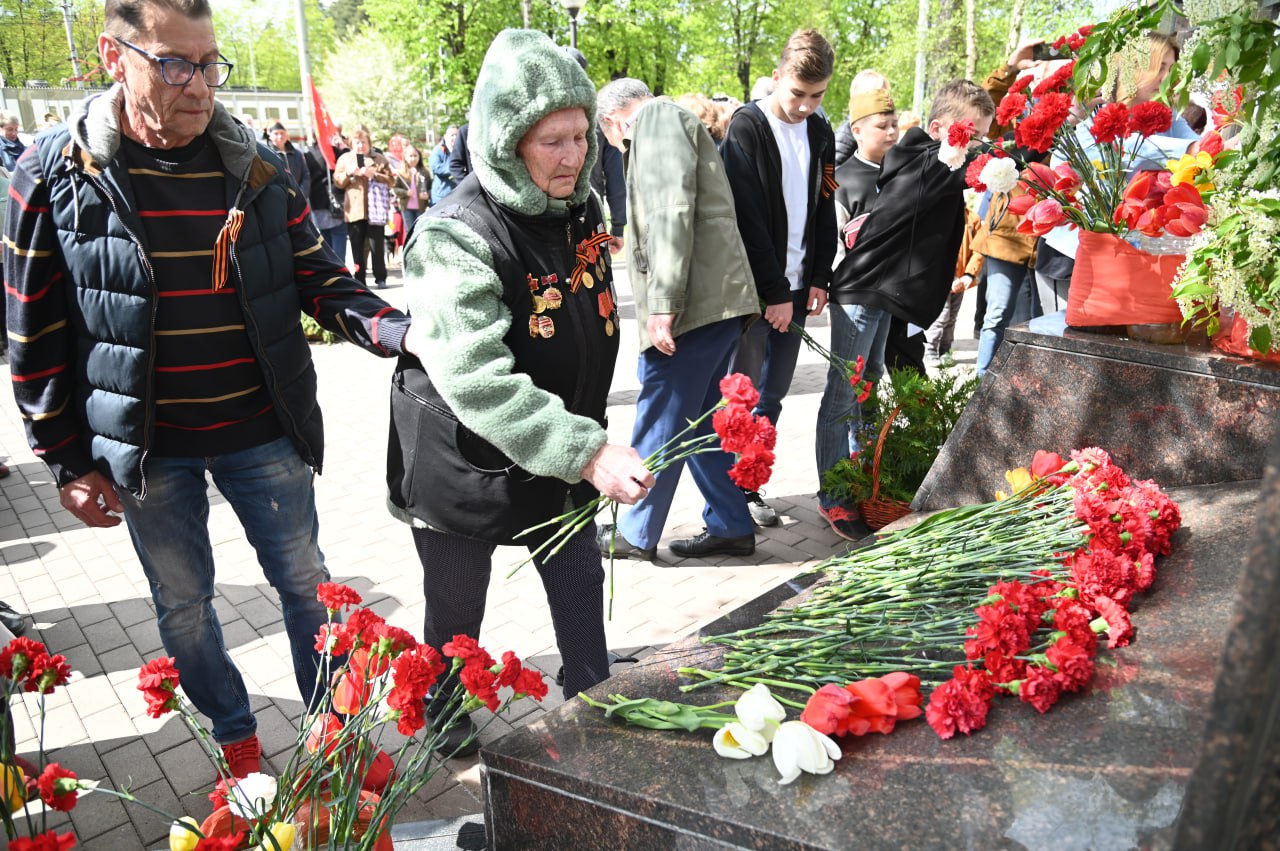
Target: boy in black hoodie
{"points": [[901, 265], [779, 156]]}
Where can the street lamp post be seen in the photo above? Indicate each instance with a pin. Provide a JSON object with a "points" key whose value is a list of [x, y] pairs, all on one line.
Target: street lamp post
{"points": [[573, 7]]}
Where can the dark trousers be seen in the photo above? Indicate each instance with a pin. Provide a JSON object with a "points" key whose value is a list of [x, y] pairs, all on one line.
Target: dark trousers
{"points": [[455, 577], [366, 237], [901, 351]]}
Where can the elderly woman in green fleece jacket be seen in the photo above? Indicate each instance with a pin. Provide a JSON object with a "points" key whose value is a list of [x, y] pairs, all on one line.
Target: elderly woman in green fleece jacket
{"points": [[511, 291]]}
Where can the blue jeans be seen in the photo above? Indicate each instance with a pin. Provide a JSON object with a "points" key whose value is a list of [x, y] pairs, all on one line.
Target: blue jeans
{"points": [[336, 238], [855, 330], [1004, 280], [270, 489], [674, 390], [410, 218], [768, 357]]}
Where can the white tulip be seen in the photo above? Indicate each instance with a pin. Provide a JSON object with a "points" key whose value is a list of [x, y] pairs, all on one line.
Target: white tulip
{"points": [[737, 742], [798, 747], [252, 796], [758, 711]]}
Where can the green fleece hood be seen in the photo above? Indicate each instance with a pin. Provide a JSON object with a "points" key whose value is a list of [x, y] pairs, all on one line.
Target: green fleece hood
{"points": [[525, 77]]}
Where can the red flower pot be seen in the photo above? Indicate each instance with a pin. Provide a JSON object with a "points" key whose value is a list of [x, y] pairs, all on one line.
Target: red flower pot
{"points": [[1116, 284]]}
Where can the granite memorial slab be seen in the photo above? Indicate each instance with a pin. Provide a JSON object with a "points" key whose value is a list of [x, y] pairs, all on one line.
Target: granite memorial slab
{"points": [[1182, 415], [1105, 769]]}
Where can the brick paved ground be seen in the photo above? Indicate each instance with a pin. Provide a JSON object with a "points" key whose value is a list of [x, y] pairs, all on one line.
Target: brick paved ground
{"points": [[88, 598]]}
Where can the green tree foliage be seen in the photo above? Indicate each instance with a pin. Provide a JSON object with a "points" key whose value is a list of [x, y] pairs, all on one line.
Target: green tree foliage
{"points": [[364, 83], [33, 40]]}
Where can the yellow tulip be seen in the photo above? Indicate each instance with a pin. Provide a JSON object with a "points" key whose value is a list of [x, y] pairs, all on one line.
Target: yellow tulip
{"points": [[1018, 479], [1186, 168], [15, 786], [284, 833], [182, 838]]}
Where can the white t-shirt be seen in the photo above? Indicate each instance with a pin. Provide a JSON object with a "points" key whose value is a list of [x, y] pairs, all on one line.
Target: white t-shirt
{"points": [[793, 145]]}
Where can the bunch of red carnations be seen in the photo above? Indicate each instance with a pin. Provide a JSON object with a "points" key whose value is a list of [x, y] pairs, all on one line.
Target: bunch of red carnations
{"points": [[1037, 639]]}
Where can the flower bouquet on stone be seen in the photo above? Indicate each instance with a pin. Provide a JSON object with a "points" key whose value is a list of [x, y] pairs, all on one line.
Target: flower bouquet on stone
{"points": [[1019, 589], [379, 676], [734, 429]]}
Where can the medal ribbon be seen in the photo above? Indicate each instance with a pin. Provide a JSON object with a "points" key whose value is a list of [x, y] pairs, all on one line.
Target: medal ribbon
{"points": [[593, 241]]}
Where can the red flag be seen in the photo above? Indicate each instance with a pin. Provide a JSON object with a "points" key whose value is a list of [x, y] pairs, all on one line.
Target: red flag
{"points": [[326, 129]]}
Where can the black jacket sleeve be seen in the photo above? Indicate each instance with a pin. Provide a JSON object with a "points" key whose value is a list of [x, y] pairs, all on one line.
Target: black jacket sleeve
{"points": [[740, 153], [615, 187], [822, 253], [459, 158], [845, 144]]}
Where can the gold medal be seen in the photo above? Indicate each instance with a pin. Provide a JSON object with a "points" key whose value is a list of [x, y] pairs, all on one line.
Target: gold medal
{"points": [[608, 327], [588, 280], [600, 268], [539, 304], [546, 327], [533, 326], [552, 298]]}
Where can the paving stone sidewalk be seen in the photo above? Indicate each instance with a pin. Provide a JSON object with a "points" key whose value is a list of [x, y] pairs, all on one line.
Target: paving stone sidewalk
{"points": [[88, 599]]}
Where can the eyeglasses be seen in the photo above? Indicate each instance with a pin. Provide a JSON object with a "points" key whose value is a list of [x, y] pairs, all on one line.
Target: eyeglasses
{"points": [[178, 72]]}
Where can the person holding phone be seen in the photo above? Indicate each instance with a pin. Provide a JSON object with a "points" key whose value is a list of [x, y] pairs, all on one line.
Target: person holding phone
{"points": [[355, 172]]}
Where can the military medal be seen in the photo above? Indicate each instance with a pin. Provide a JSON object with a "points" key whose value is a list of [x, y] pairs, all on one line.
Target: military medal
{"points": [[546, 327], [604, 303], [588, 280], [533, 326], [539, 304], [553, 298]]}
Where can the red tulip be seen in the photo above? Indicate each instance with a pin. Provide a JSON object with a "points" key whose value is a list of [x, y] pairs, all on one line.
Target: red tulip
{"points": [[1042, 218]]}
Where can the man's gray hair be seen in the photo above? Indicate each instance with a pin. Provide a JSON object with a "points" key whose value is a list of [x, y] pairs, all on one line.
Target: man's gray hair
{"points": [[619, 94]]}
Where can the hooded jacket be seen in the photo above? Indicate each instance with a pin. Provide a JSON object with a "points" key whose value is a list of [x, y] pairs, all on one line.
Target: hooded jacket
{"points": [[512, 293], [82, 296], [754, 167], [905, 255]]}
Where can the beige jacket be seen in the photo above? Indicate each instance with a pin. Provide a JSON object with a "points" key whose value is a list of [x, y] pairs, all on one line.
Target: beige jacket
{"points": [[687, 256], [355, 201]]}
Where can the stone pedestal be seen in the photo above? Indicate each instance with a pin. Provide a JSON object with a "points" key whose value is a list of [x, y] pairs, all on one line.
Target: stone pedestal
{"points": [[1105, 769], [1177, 414]]}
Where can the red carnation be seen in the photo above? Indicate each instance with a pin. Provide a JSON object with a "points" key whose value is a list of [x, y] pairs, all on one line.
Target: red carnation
{"points": [[1002, 668], [48, 672], [1116, 620], [392, 640], [481, 684], [363, 627], [960, 133], [1020, 84], [1037, 130], [531, 683], [828, 709], [157, 680], [766, 434], [415, 671], [737, 389], [736, 427], [1075, 41], [1110, 123], [17, 656], [336, 597], [961, 703], [467, 649], [1040, 689], [1011, 108], [1073, 662], [864, 392], [58, 795], [972, 174], [1150, 118], [1056, 80], [49, 841], [334, 638], [1073, 618], [753, 468]]}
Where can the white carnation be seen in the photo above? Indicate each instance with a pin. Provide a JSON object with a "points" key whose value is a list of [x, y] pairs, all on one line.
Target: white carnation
{"points": [[999, 174], [252, 796], [952, 156]]}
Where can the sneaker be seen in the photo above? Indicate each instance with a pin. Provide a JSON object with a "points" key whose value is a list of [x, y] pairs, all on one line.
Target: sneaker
{"points": [[13, 620], [842, 521], [948, 360], [382, 285], [607, 535], [707, 544], [762, 514], [243, 758]]}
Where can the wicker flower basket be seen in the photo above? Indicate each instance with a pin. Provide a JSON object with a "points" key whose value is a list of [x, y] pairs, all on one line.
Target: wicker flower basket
{"points": [[877, 512]]}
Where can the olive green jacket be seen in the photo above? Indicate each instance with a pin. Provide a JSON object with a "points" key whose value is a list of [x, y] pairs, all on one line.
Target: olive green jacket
{"points": [[686, 252]]}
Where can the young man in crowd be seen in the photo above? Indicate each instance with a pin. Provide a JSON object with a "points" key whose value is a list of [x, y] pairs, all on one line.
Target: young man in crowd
{"points": [[779, 157], [902, 265]]}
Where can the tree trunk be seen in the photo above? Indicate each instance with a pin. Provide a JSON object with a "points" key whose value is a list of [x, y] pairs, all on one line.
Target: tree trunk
{"points": [[922, 38], [1015, 25], [524, 12], [970, 40]]}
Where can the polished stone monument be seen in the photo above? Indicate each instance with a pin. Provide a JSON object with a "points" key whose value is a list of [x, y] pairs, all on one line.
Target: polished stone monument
{"points": [[1106, 769]]}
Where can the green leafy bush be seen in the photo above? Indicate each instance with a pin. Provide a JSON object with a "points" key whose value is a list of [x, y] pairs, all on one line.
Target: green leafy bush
{"points": [[928, 409]]}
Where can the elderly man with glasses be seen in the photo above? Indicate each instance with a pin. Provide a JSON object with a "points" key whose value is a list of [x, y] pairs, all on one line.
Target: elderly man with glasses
{"points": [[157, 260]]}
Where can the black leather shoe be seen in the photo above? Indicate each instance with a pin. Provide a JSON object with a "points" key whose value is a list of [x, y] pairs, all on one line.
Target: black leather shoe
{"points": [[622, 548], [707, 544], [460, 739], [12, 620]]}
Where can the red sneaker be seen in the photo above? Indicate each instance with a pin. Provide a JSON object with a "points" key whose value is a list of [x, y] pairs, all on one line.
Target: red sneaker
{"points": [[381, 773], [243, 758]]}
